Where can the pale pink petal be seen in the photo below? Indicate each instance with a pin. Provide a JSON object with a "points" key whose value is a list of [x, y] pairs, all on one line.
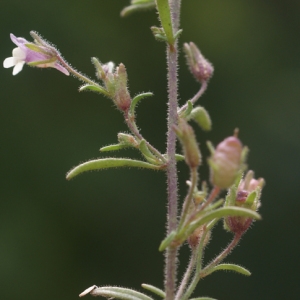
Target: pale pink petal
{"points": [[9, 62], [18, 67], [61, 69]]}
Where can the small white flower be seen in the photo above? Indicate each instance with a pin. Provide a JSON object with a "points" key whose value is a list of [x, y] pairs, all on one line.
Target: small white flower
{"points": [[39, 58], [17, 60]]}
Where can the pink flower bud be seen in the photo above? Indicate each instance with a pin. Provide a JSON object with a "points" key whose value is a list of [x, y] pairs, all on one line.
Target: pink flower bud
{"points": [[199, 66], [226, 162], [121, 97]]}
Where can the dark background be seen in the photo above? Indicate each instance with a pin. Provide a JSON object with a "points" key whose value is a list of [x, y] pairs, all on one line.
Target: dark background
{"points": [[58, 237]]}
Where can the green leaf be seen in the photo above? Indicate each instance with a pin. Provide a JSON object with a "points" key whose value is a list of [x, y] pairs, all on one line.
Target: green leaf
{"points": [[178, 33], [230, 267], [114, 147], [106, 163], [137, 7], [154, 290], [119, 293], [218, 213], [167, 241], [187, 111], [136, 100], [179, 157], [94, 88], [165, 18], [145, 150]]}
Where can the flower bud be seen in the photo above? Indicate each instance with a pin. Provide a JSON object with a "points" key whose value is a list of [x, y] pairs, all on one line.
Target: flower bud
{"points": [[246, 195], [200, 115], [195, 237], [121, 97], [187, 138], [128, 140], [226, 162], [199, 66]]}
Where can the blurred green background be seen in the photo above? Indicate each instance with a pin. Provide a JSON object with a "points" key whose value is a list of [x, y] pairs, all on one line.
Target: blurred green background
{"points": [[57, 237]]}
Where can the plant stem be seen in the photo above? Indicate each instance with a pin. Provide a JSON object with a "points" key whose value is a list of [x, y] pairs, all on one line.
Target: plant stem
{"points": [[172, 180], [74, 72], [133, 128], [196, 278], [196, 97], [221, 256], [189, 198], [186, 277], [213, 194]]}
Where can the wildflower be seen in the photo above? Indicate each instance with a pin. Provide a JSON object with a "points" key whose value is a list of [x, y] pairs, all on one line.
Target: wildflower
{"points": [[246, 195], [32, 54]]}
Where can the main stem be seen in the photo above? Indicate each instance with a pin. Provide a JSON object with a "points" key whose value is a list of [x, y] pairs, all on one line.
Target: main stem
{"points": [[171, 253]]}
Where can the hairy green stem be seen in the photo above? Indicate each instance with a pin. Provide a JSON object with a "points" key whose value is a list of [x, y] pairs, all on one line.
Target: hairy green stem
{"points": [[221, 256], [196, 278], [189, 198], [196, 97], [76, 73], [133, 128], [172, 180], [186, 277]]}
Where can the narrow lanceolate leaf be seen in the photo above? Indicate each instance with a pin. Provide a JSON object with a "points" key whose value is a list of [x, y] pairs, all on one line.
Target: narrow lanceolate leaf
{"points": [[114, 147], [119, 293], [230, 267], [165, 18], [137, 7], [106, 163], [136, 100], [167, 241], [154, 290], [179, 157], [94, 88], [216, 214], [188, 110]]}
